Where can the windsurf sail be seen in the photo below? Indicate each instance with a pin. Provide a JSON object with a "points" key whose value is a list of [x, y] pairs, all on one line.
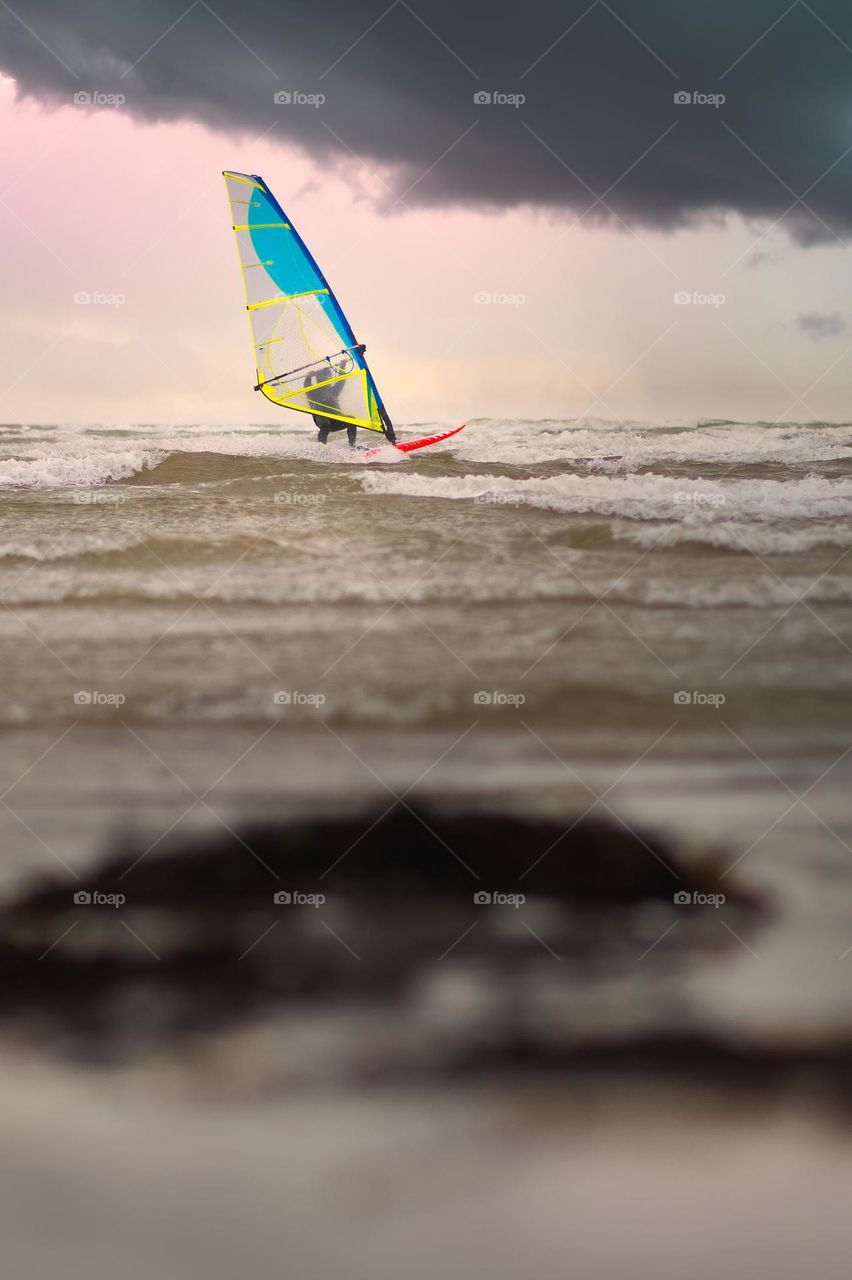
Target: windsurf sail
{"points": [[306, 354]]}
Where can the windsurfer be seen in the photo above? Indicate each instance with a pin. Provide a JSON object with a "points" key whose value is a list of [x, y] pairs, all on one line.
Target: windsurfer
{"points": [[328, 396]]}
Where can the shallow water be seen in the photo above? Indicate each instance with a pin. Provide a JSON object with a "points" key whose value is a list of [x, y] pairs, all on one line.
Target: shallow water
{"points": [[461, 1181], [196, 572]]}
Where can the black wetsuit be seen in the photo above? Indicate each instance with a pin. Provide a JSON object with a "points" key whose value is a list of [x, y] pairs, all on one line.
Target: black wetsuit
{"points": [[328, 397]]}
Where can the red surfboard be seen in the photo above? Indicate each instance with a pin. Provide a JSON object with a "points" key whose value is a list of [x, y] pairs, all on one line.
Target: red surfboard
{"points": [[408, 445]]}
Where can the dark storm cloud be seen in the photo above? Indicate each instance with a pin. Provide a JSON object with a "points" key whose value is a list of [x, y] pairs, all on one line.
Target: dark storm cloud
{"points": [[816, 326], [601, 129]]}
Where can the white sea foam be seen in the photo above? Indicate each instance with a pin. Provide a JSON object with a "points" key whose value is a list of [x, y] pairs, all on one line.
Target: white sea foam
{"points": [[79, 456], [557, 581], [770, 515], [57, 468], [637, 497], [643, 443], [760, 539], [82, 457]]}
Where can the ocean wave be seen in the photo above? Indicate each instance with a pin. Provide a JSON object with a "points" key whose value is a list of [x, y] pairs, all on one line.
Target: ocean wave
{"points": [[644, 443], [636, 497], [757, 539], [164, 457], [60, 469], [135, 549], [554, 584], [99, 455]]}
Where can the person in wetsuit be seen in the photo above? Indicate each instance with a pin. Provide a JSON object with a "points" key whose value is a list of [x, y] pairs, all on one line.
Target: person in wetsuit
{"points": [[328, 398]]}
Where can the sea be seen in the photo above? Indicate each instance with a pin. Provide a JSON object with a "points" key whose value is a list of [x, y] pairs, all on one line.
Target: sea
{"points": [[646, 624]]}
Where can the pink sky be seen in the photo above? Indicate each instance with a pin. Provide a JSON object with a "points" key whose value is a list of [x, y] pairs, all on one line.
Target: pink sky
{"points": [[91, 201]]}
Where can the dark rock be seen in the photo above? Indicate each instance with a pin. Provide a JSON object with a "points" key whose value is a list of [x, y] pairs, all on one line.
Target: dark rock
{"points": [[189, 937]]}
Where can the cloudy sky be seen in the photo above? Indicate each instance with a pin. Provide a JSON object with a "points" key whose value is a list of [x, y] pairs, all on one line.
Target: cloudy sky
{"points": [[512, 204]]}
